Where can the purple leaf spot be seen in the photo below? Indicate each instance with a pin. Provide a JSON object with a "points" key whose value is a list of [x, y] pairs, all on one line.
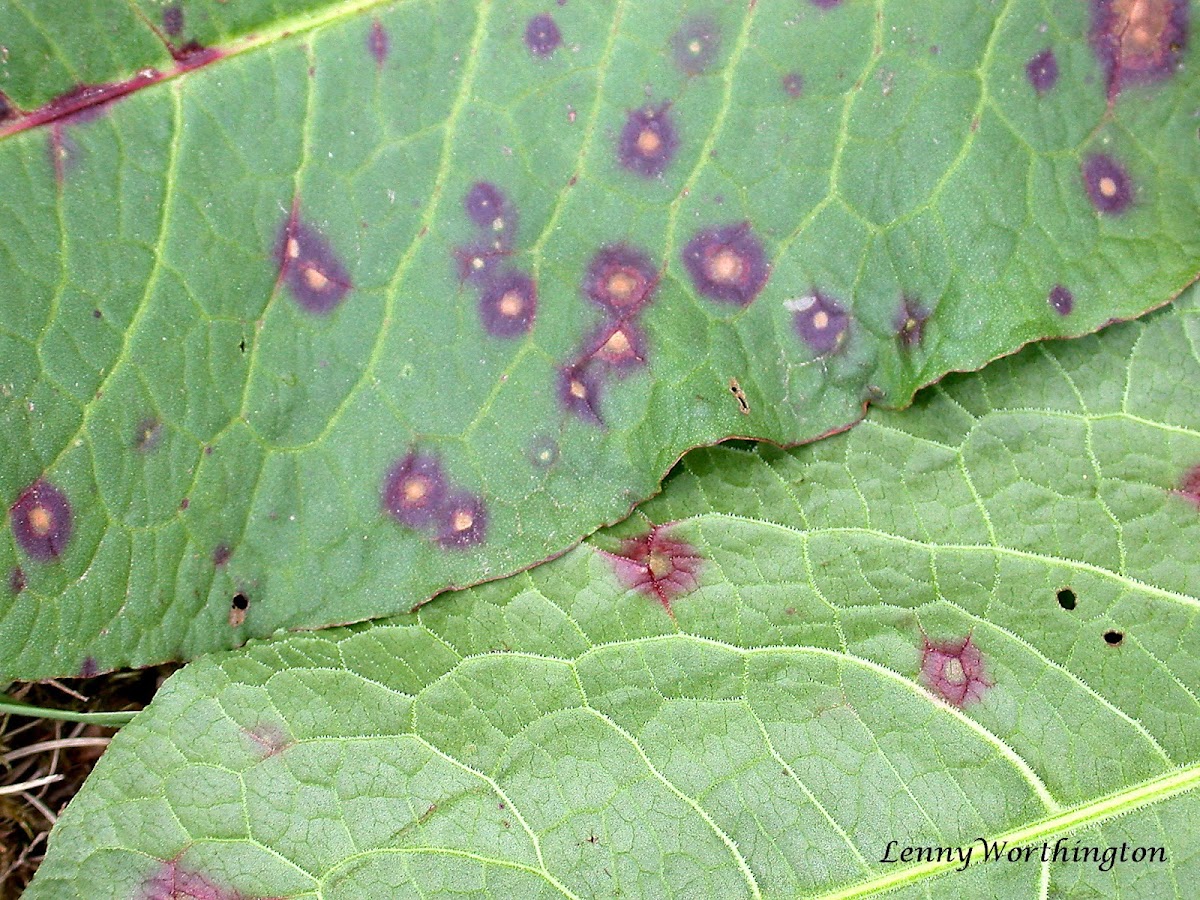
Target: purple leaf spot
{"points": [[41, 521], [620, 279], [1107, 183], [910, 323], [793, 84], [954, 670], [221, 554], [1138, 41], [825, 4], [579, 389], [542, 36], [658, 566], [148, 435], [307, 264], [89, 667], [378, 43], [16, 580], [1189, 485], [1042, 71], [172, 19], [648, 141], [696, 44], [415, 489], [173, 882], [727, 263], [462, 522], [508, 305], [618, 345], [820, 321], [479, 263], [1061, 300], [488, 208]]}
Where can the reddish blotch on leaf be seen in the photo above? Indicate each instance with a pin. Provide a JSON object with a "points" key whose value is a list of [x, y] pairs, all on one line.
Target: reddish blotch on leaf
{"points": [[378, 43], [1042, 71], [1061, 300], [542, 36], [1138, 41], [954, 670], [415, 489], [1107, 183], [508, 304], [658, 566], [462, 522]]}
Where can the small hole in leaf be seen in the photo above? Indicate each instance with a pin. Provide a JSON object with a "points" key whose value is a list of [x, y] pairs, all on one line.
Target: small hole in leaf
{"points": [[1066, 598], [1112, 638], [240, 601]]}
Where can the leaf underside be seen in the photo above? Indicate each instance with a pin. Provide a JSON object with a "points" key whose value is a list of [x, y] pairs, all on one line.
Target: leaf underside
{"points": [[240, 308], [974, 618]]}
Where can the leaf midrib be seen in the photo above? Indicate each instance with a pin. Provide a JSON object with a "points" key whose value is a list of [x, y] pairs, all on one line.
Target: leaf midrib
{"points": [[1156, 790]]}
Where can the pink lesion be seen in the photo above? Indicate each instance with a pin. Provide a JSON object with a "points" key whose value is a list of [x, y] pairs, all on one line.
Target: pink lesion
{"points": [[658, 566], [954, 670], [269, 739], [173, 881]]}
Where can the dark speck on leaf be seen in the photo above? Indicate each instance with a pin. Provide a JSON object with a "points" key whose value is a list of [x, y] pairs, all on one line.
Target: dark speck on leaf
{"points": [[542, 36], [16, 580], [96, 314], [89, 667], [793, 84], [1107, 183], [1042, 71], [41, 521], [648, 141], [696, 44], [172, 19], [316, 277], [1061, 300], [479, 263], [544, 452], [508, 305], [727, 263], [462, 522], [221, 554]]}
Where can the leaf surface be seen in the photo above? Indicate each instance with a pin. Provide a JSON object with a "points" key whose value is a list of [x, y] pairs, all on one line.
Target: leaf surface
{"points": [[274, 359], [974, 619]]}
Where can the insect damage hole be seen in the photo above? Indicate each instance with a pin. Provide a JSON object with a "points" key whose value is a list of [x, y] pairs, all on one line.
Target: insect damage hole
{"points": [[1113, 638], [740, 396], [1066, 598], [237, 609]]}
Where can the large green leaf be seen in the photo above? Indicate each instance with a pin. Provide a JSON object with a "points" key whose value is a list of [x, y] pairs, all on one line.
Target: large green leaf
{"points": [[927, 196], [974, 619]]}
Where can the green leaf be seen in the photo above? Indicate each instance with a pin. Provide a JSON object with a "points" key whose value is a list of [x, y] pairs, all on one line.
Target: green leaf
{"points": [[222, 431], [974, 619]]}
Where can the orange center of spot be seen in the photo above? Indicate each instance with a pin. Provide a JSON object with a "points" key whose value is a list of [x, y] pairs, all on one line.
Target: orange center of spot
{"points": [[1140, 24], [618, 344], [648, 143], [660, 564], [1108, 187], [415, 490], [820, 319], [695, 46], [462, 520], [623, 284], [40, 521], [725, 266], [293, 248], [953, 671], [315, 278], [511, 304], [577, 389]]}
